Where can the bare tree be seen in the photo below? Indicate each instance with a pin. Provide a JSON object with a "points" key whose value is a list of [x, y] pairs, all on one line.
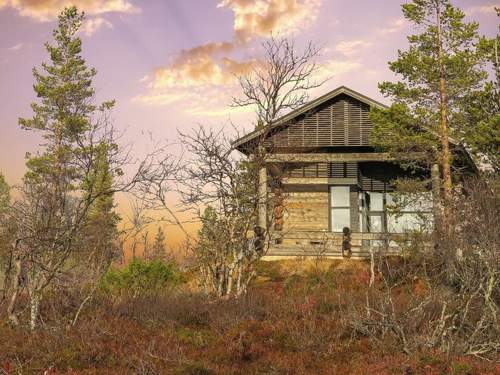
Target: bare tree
{"points": [[46, 237], [456, 310], [220, 189], [225, 191], [282, 82]]}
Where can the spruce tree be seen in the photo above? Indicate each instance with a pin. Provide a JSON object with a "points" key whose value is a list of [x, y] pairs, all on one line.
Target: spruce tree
{"points": [[101, 223], [159, 251]]}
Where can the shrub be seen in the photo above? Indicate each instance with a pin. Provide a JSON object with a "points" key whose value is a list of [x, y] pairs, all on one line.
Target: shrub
{"points": [[141, 278]]}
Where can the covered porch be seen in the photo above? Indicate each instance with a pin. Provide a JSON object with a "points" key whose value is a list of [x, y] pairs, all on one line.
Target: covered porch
{"points": [[322, 193]]}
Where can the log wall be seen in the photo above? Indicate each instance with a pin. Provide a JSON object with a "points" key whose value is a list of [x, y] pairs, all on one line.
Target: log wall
{"points": [[306, 211]]}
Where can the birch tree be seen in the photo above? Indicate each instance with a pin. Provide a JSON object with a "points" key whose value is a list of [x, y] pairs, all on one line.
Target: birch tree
{"points": [[281, 82], [224, 190], [220, 190]]}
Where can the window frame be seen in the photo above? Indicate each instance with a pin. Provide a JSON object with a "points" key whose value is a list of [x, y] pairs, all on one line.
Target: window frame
{"points": [[332, 208]]}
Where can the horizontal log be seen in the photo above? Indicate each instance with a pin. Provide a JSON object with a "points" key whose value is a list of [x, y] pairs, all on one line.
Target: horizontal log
{"points": [[339, 157], [318, 181], [325, 235], [297, 251]]}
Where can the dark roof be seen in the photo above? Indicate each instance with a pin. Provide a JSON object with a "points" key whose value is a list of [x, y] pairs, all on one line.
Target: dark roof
{"points": [[306, 108]]}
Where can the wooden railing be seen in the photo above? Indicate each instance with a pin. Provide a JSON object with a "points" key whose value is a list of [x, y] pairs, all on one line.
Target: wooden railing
{"points": [[328, 244]]}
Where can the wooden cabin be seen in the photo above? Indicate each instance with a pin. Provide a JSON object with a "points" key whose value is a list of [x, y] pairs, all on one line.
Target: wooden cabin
{"points": [[331, 178]]}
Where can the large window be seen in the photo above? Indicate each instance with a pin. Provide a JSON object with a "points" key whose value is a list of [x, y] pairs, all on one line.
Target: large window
{"points": [[387, 212], [340, 208], [409, 212]]}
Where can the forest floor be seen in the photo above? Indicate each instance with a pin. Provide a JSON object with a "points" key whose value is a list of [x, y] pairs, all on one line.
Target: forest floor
{"points": [[293, 321]]}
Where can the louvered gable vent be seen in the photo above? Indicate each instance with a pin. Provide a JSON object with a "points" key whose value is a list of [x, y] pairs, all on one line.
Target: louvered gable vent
{"points": [[341, 122]]}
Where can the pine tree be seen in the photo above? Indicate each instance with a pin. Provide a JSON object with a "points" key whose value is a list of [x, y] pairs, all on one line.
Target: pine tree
{"points": [[441, 69], [54, 209], [481, 121], [159, 251], [64, 87]]}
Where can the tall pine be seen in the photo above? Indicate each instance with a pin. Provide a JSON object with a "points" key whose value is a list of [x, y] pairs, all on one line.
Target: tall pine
{"points": [[442, 67], [481, 120], [57, 193]]}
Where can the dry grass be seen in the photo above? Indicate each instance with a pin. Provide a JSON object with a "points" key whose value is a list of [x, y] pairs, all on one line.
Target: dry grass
{"points": [[293, 321]]}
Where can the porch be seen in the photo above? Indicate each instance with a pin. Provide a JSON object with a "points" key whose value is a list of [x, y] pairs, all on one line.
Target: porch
{"points": [[329, 245]]}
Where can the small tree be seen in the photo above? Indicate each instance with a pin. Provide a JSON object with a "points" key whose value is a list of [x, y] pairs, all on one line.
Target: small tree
{"points": [[100, 232], [158, 249], [214, 177]]}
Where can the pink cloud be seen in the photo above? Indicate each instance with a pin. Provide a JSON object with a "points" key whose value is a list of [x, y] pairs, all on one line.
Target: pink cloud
{"points": [[47, 10]]}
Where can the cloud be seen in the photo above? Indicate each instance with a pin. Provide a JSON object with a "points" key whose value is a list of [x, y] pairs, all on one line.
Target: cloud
{"points": [[204, 65], [205, 76], [254, 18], [482, 9], [47, 10], [351, 47], [92, 25], [202, 74], [394, 27], [16, 47]]}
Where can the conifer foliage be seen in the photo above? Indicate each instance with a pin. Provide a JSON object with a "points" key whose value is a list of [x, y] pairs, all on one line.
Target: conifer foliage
{"points": [[442, 67], [69, 183]]}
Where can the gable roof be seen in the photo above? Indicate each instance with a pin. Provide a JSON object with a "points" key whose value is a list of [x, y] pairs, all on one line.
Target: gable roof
{"points": [[306, 108]]}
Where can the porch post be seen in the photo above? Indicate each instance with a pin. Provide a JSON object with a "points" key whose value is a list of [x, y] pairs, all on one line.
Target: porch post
{"points": [[262, 203]]}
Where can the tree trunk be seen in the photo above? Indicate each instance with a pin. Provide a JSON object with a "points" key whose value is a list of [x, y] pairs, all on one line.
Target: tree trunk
{"points": [[443, 109], [372, 267], [436, 196], [34, 306], [16, 286]]}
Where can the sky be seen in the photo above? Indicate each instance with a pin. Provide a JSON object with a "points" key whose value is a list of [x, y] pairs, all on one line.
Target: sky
{"points": [[171, 64]]}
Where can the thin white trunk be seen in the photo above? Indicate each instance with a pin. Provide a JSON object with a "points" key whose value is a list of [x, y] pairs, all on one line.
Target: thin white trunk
{"points": [[372, 267], [34, 306], [16, 286]]}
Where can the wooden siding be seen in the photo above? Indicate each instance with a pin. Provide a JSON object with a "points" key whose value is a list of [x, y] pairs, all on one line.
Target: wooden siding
{"points": [[343, 121], [310, 211], [306, 211]]}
